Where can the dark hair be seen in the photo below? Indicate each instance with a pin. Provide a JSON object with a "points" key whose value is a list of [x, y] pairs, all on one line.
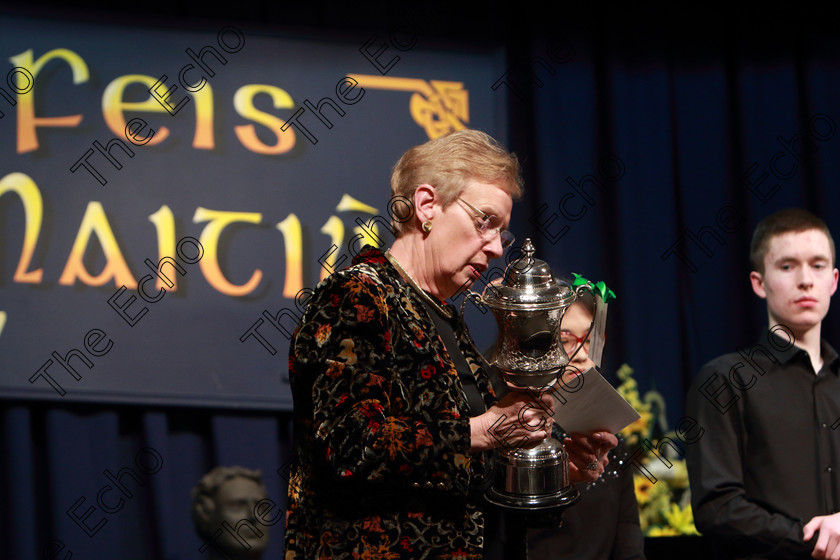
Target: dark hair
{"points": [[586, 299], [790, 220]]}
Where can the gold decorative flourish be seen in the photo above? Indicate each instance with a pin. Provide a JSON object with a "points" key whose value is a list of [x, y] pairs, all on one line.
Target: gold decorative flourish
{"points": [[436, 105]]}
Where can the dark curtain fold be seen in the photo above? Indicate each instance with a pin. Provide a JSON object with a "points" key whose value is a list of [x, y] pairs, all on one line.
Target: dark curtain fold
{"points": [[55, 459], [716, 122]]}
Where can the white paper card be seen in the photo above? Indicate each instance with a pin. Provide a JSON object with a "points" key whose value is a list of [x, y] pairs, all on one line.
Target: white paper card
{"points": [[591, 406]]}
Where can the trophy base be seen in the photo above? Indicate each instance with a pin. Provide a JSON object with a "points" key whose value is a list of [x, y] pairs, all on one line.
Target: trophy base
{"points": [[544, 511], [534, 502]]}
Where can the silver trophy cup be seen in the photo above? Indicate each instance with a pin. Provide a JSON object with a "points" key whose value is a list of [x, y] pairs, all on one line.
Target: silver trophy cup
{"points": [[529, 305]]}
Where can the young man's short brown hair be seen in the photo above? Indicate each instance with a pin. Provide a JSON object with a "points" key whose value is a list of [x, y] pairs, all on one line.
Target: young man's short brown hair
{"points": [[790, 220]]}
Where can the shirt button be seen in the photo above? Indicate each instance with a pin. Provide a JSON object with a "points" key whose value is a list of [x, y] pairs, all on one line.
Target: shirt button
{"points": [[829, 469], [824, 425]]}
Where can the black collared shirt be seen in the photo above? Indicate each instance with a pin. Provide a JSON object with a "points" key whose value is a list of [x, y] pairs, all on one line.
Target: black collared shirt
{"points": [[768, 458]]}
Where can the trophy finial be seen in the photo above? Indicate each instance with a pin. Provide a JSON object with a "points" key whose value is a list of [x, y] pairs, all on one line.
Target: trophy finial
{"points": [[528, 248]]}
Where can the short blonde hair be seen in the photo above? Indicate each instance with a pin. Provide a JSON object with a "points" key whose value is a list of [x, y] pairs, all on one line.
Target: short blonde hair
{"points": [[451, 161]]}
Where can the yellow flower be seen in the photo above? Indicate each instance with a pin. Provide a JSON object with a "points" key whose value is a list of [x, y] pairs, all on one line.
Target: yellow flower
{"points": [[662, 532], [643, 488], [659, 512], [629, 391], [624, 371], [638, 428], [681, 520]]}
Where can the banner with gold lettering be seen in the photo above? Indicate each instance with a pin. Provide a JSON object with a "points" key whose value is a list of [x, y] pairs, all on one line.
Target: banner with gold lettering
{"points": [[165, 195]]}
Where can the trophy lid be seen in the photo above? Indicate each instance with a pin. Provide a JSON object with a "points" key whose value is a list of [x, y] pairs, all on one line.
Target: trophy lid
{"points": [[528, 285]]}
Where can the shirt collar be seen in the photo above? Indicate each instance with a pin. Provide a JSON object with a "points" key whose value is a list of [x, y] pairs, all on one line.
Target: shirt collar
{"points": [[830, 357], [783, 348]]}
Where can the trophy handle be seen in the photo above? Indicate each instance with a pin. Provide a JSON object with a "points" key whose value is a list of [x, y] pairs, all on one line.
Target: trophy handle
{"points": [[588, 287], [475, 297]]}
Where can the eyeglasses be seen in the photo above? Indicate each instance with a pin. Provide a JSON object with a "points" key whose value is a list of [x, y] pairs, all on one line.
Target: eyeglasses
{"points": [[484, 226], [570, 341]]}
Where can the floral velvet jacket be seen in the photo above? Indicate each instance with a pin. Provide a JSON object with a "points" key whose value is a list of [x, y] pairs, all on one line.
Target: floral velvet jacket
{"points": [[382, 433]]}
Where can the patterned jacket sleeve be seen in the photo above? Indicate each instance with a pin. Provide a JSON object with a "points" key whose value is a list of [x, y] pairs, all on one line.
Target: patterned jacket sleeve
{"points": [[383, 411]]}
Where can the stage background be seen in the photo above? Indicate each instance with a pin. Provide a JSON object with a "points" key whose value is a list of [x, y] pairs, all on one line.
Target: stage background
{"points": [[667, 111], [258, 207]]}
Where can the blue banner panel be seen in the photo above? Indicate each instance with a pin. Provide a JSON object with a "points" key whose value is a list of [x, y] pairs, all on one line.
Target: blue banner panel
{"points": [[168, 197]]}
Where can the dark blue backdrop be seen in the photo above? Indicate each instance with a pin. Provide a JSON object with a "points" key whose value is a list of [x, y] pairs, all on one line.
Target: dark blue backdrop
{"points": [[710, 127], [681, 106]]}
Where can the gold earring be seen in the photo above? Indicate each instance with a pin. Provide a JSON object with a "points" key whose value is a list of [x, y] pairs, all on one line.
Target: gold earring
{"points": [[427, 226]]}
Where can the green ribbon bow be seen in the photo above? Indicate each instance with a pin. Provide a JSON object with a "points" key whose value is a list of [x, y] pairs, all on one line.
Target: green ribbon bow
{"points": [[607, 295]]}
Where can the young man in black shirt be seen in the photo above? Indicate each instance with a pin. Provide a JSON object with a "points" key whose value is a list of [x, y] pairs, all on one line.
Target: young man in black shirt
{"points": [[764, 479]]}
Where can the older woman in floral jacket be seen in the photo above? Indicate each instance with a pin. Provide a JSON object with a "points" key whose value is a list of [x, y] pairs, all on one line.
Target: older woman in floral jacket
{"points": [[393, 407]]}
